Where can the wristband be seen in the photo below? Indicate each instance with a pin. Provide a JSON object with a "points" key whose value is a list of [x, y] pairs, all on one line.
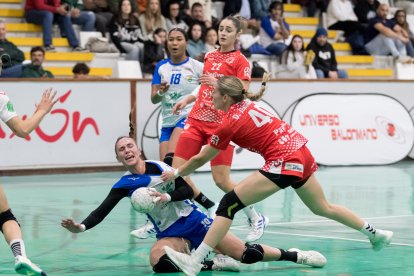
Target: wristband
{"points": [[83, 227], [176, 173]]}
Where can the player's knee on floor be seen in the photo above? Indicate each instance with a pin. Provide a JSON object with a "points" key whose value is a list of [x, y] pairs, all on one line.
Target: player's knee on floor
{"points": [[165, 265], [6, 216], [168, 159], [229, 205], [252, 253]]}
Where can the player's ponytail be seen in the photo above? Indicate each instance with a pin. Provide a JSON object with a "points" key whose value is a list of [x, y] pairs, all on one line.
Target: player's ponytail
{"points": [[233, 87]]}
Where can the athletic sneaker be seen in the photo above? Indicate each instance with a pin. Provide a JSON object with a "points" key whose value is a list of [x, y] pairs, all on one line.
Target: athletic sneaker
{"points": [[381, 239], [225, 263], [23, 265], [212, 211], [145, 231], [311, 258], [185, 262], [257, 228]]}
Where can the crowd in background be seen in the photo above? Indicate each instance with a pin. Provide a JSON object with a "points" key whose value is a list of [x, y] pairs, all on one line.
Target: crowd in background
{"points": [[138, 29]]}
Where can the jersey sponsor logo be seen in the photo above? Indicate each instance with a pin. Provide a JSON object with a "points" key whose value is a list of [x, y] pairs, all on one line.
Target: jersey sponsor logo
{"points": [[10, 107], [294, 167], [230, 60], [215, 140], [133, 178], [276, 167]]}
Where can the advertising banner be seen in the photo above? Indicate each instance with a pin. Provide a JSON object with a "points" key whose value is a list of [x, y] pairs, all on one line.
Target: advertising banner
{"points": [[80, 130], [359, 129]]}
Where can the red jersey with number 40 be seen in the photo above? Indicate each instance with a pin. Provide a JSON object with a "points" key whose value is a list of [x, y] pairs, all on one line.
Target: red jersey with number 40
{"points": [[253, 127], [218, 64]]}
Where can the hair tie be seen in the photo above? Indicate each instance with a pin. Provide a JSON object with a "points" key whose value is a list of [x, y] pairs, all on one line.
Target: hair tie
{"points": [[244, 91], [264, 83]]}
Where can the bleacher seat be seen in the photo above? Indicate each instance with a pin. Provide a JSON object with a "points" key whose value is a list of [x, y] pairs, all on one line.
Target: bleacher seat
{"points": [[67, 71], [129, 69]]}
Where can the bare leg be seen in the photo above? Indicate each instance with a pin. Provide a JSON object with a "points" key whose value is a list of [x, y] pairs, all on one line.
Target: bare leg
{"points": [[157, 250], [312, 195], [11, 229]]}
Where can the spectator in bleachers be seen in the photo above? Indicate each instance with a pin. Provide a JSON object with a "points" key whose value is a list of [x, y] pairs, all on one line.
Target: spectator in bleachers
{"points": [[312, 6], [152, 19], [341, 16], [274, 30], [141, 5], [366, 10], [407, 5], [400, 18], [206, 7], [102, 14], [174, 16], [211, 41], [242, 8], [383, 36], [195, 46], [85, 19], [325, 61], [154, 51], [126, 32], [296, 62], [11, 57], [80, 71], [197, 15], [35, 68], [114, 6], [45, 13]]}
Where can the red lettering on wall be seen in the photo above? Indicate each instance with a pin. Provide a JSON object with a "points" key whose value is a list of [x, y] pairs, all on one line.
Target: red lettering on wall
{"points": [[78, 130]]}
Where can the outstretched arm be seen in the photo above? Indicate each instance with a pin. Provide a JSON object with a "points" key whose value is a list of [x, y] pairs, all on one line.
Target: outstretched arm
{"points": [[94, 218], [191, 165], [23, 127]]}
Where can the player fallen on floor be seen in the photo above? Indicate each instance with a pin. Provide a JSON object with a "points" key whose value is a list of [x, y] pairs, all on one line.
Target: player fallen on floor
{"points": [[179, 223]]}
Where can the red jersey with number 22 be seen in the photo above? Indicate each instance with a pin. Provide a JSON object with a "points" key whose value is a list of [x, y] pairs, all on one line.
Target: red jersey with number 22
{"points": [[218, 64], [253, 127]]}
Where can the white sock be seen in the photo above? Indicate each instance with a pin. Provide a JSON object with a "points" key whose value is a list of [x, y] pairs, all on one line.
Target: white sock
{"points": [[17, 247], [202, 251], [251, 213], [368, 230]]}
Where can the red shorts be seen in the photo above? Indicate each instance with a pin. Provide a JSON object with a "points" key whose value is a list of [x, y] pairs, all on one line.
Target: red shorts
{"points": [[196, 134], [300, 164]]}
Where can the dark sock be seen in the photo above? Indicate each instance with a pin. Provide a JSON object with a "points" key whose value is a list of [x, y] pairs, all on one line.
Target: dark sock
{"points": [[204, 201], [207, 265], [288, 256]]}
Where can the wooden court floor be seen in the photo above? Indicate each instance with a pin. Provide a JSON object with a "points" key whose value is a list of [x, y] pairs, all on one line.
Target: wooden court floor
{"points": [[384, 195]]}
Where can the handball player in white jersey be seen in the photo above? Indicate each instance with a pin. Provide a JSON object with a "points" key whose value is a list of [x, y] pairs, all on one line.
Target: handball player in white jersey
{"points": [[8, 223], [179, 223], [174, 78], [288, 162], [204, 119]]}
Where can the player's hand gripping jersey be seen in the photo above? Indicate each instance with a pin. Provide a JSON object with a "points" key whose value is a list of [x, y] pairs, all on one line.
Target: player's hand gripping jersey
{"points": [[253, 127], [6, 108], [218, 64]]}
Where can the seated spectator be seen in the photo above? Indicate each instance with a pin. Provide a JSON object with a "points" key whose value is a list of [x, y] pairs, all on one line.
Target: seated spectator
{"points": [[114, 6], [174, 18], [325, 61], [126, 32], [383, 36], [365, 10], [259, 8], [141, 6], [312, 6], [296, 62], [152, 19], [154, 51], [274, 30], [11, 57], [197, 15], [341, 16], [407, 5], [102, 14], [85, 19], [35, 69], [211, 41], [195, 46], [43, 13], [80, 71], [243, 9], [400, 19], [206, 8]]}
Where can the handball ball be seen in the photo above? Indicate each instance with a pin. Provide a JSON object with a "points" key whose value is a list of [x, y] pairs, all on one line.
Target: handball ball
{"points": [[142, 201]]}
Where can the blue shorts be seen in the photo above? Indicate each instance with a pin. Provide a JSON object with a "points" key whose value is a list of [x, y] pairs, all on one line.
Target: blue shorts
{"points": [[193, 228], [167, 131]]}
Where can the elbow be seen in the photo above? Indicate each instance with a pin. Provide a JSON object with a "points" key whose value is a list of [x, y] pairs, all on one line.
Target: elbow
{"points": [[22, 133]]}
